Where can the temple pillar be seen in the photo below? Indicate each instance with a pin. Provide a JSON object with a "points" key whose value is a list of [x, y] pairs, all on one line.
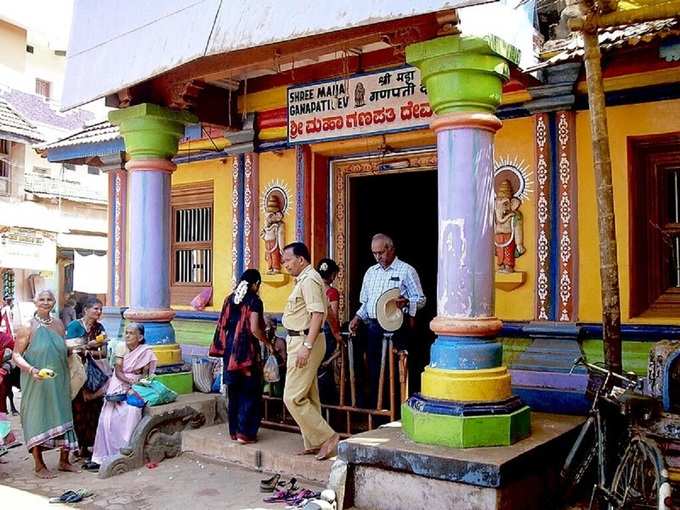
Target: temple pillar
{"points": [[151, 135], [466, 398]]}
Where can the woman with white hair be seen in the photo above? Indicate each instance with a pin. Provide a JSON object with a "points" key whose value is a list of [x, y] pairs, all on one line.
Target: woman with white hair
{"points": [[118, 419], [41, 354]]}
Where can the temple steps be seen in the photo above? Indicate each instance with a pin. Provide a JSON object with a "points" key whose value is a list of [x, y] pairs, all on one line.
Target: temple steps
{"points": [[275, 452]]}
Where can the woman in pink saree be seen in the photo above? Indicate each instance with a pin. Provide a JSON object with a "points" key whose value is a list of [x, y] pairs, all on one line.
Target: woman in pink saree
{"points": [[118, 419]]}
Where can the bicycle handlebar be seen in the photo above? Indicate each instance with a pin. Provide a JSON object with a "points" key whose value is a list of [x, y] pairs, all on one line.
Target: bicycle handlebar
{"points": [[604, 371]]}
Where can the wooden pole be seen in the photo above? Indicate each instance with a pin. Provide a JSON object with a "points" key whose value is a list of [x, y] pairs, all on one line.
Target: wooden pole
{"points": [[669, 9], [609, 269]]}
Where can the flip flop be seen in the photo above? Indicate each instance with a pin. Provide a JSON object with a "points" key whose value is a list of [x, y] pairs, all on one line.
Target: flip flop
{"points": [[67, 497], [280, 496]]}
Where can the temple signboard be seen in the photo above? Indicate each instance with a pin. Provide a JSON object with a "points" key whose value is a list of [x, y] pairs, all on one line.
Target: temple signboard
{"points": [[387, 101]]}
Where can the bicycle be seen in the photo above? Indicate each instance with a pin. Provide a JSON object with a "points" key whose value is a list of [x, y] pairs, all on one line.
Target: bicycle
{"points": [[640, 479]]}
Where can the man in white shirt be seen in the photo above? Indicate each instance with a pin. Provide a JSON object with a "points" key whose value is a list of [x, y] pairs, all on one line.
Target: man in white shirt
{"points": [[388, 273]]}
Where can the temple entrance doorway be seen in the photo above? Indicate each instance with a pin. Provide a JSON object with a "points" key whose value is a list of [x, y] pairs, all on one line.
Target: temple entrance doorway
{"points": [[403, 205]]}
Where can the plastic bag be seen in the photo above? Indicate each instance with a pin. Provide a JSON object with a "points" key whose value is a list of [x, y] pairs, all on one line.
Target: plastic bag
{"points": [[151, 393], [202, 299], [202, 370], [96, 378], [76, 373], [271, 370]]}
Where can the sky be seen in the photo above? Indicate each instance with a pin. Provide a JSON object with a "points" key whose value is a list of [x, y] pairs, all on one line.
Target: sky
{"points": [[48, 20]]}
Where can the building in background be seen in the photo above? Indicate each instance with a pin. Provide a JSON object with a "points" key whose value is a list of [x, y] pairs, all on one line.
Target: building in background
{"points": [[52, 216]]}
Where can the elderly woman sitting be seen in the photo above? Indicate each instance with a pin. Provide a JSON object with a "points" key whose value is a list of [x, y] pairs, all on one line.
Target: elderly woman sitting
{"points": [[118, 420]]}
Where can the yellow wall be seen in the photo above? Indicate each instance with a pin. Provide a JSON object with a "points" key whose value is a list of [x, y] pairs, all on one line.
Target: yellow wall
{"points": [[623, 121], [516, 141], [277, 166], [218, 171], [12, 48]]}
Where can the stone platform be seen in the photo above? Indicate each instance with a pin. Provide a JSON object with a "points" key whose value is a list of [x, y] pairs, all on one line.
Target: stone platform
{"points": [[275, 451], [387, 471], [159, 433]]}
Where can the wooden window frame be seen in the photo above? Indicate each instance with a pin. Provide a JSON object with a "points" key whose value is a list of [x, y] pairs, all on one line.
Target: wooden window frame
{"points": [[648, 157], [189, 196], [43, 85]]}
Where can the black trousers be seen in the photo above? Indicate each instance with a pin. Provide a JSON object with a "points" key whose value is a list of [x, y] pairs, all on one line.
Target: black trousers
{"points": [[370, 343]]}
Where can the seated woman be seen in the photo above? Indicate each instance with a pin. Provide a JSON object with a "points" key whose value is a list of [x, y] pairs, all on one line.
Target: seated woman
{"points": [[89, 336], [239, 330], [118, 420]]}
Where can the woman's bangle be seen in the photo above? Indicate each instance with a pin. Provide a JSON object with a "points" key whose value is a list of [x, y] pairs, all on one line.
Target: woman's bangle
{"points": [[33, 370]]}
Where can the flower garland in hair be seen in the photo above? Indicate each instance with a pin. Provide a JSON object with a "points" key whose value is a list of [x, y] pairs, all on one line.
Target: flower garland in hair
{"points": [[323, 267], [240, 292]]}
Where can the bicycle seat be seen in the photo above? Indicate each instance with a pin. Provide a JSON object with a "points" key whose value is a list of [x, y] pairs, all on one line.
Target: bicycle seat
{"points": [[639, 407]]}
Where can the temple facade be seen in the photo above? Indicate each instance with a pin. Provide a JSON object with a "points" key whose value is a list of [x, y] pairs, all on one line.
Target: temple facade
{"points": [[213, 169]]}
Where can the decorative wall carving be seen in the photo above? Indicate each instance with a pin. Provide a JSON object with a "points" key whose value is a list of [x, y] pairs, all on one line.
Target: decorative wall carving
{"points": [[543, 218], [567, 225]]}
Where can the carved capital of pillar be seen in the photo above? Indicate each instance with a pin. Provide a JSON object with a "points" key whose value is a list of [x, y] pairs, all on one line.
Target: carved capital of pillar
{"points": [[151, 131], [463, 74]]}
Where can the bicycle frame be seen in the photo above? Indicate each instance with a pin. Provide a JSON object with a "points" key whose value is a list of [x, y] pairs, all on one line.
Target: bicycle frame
{"points": [[603, 393]]}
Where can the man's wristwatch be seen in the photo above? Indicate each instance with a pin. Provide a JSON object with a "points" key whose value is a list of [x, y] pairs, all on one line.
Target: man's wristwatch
{"points": [[308, 345]]}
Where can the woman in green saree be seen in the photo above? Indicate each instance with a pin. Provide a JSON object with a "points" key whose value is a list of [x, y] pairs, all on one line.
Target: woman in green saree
{"points": [[46, 416]]}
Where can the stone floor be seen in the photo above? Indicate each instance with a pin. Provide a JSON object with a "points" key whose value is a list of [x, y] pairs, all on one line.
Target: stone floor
{"points": [[187, 482]]}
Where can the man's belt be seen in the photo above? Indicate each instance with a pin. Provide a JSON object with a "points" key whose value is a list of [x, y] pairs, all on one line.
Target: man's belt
{"points": [[292, 332]]}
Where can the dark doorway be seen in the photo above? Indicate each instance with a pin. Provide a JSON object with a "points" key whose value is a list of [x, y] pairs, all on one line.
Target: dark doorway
{"points": [[403, 206]]}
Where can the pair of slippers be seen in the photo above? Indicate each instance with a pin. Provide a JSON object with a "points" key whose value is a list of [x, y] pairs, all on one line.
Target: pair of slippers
{"points": [[293, 498], [72, 496], [271, 484]]}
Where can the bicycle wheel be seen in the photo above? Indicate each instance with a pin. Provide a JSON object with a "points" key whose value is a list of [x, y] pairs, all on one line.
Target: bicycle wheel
{"points": [[641, 478], [579, 462]]}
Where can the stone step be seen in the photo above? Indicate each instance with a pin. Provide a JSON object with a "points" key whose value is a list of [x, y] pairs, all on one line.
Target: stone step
{"points": [[274, 452]]}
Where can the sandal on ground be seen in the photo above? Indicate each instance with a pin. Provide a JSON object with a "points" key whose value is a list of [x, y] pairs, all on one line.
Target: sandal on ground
{"points": [[280, 496], [292, 485], [90, 466], [71, 496], [302, 497], [270, 484]]}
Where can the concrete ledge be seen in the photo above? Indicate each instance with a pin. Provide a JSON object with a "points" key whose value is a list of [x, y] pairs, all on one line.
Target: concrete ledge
{"points": [[205, 403], [274, 452], [388, 448]]}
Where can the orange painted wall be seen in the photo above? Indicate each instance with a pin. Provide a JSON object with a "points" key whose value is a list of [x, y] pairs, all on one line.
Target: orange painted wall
{"points": [[624, 121]]}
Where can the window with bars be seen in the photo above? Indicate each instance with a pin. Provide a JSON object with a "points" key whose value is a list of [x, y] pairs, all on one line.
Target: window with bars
{"points": [[192, 241], [655, 225], [42, 88]]}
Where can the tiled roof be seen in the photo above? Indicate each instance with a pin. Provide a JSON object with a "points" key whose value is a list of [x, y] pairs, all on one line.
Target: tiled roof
{"points": [[562, 50], [39, 111], [96, 133], [13, 123]]}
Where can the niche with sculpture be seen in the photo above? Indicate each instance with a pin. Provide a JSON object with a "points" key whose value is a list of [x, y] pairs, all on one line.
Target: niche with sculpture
{"points": [[274, 205], [511, 189]]}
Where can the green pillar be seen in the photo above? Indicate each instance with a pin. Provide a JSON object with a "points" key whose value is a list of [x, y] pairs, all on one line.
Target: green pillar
{"points": [[151, 135], [466, 398]]}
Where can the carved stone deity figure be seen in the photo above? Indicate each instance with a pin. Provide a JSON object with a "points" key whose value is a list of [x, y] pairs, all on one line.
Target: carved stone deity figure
{"points": [[508, 228], [272, 233]]}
